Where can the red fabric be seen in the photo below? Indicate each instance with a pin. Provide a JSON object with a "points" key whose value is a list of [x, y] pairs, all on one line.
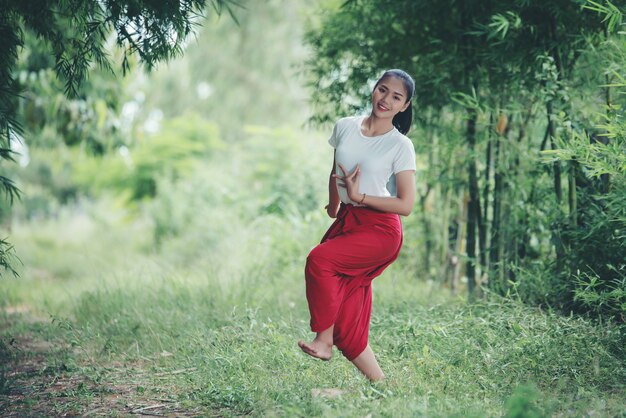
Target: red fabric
{"points": [[357, 247]]}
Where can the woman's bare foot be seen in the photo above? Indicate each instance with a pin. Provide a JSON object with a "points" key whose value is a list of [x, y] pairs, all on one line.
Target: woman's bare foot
{"points": [[321, 347], [317, 349]]}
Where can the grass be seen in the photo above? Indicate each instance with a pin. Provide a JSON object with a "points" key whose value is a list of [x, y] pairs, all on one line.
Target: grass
{"points": [[205, 323]]}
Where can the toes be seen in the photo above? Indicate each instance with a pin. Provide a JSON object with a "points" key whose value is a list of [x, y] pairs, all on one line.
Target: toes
{"points": [[307, 348], [313, 352], [304, 345]]}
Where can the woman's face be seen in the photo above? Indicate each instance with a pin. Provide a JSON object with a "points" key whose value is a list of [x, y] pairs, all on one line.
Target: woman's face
{"points": [[389, 97]]}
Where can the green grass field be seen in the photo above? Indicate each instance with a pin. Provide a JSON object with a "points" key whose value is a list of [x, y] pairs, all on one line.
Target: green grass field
{"points": [[97, 325]]}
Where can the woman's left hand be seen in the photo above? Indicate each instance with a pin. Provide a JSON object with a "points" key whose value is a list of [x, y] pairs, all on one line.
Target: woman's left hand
{"points": [[350, 181]]}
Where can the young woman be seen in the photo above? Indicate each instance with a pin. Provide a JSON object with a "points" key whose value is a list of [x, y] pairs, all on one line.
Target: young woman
{"points": [[372, 182]]}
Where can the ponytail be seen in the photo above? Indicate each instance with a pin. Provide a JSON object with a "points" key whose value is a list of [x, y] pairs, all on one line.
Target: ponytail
{"points": [[402, 121]]}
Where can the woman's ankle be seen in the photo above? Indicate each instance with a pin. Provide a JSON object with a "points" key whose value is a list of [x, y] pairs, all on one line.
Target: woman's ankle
{"points": [[326, 336]]}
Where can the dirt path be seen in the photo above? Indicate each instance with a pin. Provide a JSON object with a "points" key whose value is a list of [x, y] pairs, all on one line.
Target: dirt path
{"points": [[40, 377]]}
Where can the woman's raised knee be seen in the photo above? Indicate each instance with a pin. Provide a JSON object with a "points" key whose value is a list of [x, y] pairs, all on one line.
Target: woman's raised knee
{"points": [[317, 263]]}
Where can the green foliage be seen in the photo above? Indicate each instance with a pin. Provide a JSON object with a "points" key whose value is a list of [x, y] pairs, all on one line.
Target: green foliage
{"points": [[8, 257], [59, 174], [596, 275], [58, 131], [501, 24], [521, 403], [602, 294], [76, 34], [77, 31], [600, 154], [597, 254], [134, 171], [613, 16], [276, 169]]}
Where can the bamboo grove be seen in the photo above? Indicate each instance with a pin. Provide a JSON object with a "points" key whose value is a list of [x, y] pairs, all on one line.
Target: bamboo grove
{"points": [[519, 127]]}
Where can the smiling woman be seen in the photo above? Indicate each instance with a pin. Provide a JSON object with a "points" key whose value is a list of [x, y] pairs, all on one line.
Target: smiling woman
{"points": [[367, 235]]}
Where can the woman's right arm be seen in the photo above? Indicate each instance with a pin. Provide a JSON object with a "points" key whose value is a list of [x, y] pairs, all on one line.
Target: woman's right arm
{"points": [[333, 194]]}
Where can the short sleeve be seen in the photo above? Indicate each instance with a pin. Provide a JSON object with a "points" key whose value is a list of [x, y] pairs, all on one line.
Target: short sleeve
{"points": [[334, 137], [405, 158]]}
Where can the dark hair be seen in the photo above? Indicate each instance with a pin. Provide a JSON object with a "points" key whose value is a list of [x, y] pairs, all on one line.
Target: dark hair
{"points": [[402, 121]]}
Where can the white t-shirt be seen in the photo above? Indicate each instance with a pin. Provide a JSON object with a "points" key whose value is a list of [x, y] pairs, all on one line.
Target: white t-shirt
{"points": [[380, 157]]}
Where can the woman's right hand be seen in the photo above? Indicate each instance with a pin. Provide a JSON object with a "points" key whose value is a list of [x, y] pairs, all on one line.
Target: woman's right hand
{"points": [[332, 212]]}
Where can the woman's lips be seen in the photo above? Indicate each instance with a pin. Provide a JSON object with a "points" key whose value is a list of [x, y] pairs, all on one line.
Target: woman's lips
{"points": [[383, 108]]}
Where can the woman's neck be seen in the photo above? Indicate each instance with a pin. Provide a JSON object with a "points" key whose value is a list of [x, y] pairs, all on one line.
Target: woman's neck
{"points": [[375, 126]]}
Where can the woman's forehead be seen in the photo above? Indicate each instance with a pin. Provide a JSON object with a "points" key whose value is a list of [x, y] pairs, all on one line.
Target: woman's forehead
{"points": [[394, 83]]}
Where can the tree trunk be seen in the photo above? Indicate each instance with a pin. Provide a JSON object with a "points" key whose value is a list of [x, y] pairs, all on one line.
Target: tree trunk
{"points": [[605, 178], [518, 239], [473, 212], [556, 235], [427, 233], [525, 234], [460, 243], [546, 136], [424, 211], [483, 224], [496, 251], [503, 238], [446, 226], [571, 195], [556, 166]]}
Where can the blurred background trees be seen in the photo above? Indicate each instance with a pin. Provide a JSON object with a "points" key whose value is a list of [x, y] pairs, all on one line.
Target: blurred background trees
{"points": [[44, 42]]}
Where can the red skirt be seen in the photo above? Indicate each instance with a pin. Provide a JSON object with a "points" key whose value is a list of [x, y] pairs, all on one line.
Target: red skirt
{"points": [[357, 247]]}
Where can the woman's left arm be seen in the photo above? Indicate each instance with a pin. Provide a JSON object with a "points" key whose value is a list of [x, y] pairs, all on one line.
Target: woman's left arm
{"points": [[402, 204]]}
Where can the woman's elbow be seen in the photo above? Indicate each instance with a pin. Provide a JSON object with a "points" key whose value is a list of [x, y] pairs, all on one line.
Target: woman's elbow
{"points": [[406, 210], [404, 205]]}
